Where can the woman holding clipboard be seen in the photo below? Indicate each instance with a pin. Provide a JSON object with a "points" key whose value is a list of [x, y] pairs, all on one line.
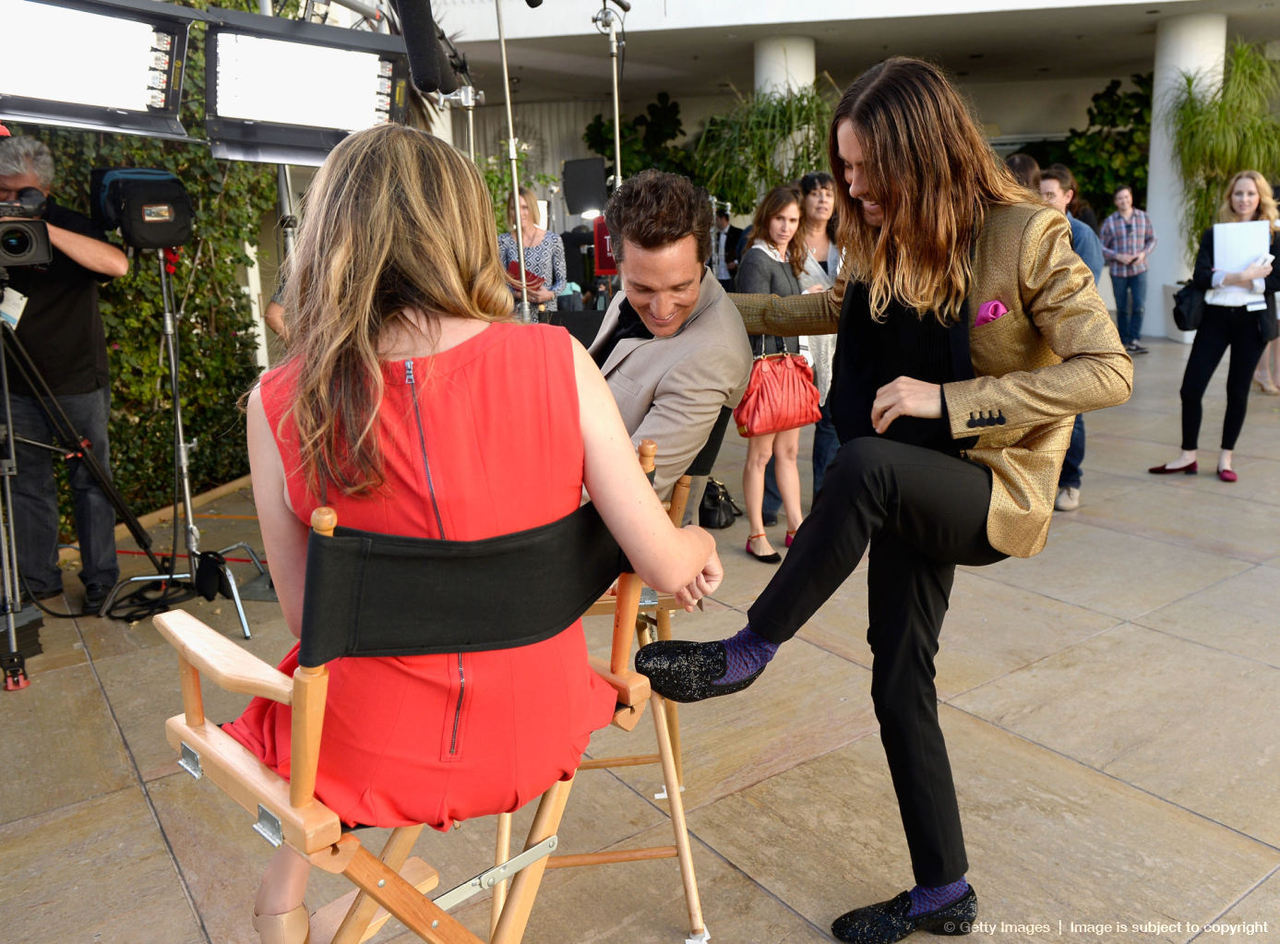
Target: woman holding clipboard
{"points": [[1239, 313]]}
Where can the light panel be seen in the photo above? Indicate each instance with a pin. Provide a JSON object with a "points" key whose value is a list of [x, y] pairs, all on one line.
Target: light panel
{"points": [[357, 85], [117, 66], [285, 91]]}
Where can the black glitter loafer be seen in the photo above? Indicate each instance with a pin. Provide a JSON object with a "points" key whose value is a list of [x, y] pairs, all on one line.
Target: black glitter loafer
{"points": [[887, 921], [687, 671]]}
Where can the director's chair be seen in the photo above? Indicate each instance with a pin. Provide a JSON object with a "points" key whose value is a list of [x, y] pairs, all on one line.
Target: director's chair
{"points": [[359, 603], [645, 610]]}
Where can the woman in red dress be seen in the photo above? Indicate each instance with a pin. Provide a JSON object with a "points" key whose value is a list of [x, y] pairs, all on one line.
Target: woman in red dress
{"points": [[410, 404]]}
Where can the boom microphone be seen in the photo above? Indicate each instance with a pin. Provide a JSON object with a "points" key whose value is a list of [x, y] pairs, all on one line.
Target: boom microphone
{"points": [[623, 5], [428, 64]]}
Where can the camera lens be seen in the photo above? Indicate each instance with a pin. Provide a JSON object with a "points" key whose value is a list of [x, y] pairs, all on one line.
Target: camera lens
{"points": [[15, 241]]}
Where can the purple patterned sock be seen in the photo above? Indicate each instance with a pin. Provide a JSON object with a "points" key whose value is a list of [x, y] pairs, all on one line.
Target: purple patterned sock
{"points": [[746, 653], [925, 898]]}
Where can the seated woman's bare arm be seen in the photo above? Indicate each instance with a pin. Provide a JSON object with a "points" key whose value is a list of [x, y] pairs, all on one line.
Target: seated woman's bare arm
{"points": [[669, 559], [284, 537]]}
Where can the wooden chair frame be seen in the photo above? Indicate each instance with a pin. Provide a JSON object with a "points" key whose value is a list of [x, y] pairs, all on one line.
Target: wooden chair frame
{"points": [[388, 884], [656, 614]]}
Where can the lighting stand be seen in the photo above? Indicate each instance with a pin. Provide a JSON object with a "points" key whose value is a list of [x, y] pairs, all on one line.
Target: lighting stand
{"points": [[524, 314], [606, 22], [468, 98], [195, 560]]}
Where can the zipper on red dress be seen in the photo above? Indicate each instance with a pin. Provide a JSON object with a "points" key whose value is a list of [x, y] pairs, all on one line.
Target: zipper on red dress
{"points": [[426, 465]]}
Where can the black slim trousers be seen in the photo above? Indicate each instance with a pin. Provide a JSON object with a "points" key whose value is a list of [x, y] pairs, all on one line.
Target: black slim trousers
{"points": [[920, 512], [1220, 328]]}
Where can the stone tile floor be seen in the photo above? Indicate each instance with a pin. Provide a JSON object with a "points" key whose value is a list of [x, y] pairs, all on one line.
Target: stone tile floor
{"points": [[1112, 708]]}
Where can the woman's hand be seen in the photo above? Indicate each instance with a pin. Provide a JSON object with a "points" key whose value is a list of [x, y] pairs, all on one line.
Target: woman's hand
{"points": [[703, 584], [540, 295], [906, 396], [1246, 278], [813, 290]]}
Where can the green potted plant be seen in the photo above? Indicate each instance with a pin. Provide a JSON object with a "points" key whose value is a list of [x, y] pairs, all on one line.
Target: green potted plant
{"points": [[1219, 130]]}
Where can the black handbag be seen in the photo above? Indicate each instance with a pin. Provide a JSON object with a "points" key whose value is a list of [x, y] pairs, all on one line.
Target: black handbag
{"points": [[717, 508], [1188, 307]]}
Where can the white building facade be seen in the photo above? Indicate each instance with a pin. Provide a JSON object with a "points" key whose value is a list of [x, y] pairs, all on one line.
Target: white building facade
{"points": [[1030, 68]]}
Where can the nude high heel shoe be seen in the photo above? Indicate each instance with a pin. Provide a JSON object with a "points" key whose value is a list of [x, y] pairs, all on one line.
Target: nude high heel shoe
{"points": [[293, 927]]}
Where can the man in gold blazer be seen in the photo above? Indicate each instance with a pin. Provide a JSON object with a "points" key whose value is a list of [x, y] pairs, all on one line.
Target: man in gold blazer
{"points": [[969, 334], [1025, 366]]}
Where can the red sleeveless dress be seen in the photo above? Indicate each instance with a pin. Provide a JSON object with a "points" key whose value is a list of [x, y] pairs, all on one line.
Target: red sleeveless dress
{"points": [[437, 738]]}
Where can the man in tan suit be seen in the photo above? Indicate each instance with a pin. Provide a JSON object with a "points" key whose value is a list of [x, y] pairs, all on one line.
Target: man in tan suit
{"points": [[671, 346]]}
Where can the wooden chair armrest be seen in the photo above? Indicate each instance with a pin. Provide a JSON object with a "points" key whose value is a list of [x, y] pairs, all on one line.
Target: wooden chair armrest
{"points": [[223, 661], [251, 783], [632, 688]]}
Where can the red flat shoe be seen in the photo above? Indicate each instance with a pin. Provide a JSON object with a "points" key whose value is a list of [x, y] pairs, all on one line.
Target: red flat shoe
{"points": [[1227, 475], [1189, 469], [791, 536]]}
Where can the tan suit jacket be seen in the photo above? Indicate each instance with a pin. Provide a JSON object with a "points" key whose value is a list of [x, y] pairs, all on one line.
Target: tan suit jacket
{"points": [[1054, 354], [671, 389]]}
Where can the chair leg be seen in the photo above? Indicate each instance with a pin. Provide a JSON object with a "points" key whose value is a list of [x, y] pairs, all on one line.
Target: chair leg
{"points": [[678, 825], [501, 854], [413, 909], [673, 710], [398, 846], [524, 887]]}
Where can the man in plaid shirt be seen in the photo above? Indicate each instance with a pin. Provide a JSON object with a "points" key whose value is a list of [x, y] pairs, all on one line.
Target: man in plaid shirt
{"points": [[1127, 240]]}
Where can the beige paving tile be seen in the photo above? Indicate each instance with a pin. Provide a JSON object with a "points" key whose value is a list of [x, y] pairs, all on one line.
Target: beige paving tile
{"points": [[1239, 615], [144, 689], [92, 871], [1121, 575], [991, 629], [1256, 918], [1198, 522], [61, 644], [60, 743], [1165, 714], [1048, 840], [807, 702]]}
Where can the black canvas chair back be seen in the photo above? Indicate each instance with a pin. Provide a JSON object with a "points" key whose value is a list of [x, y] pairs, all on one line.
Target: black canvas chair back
{"points": [[370, 594]]}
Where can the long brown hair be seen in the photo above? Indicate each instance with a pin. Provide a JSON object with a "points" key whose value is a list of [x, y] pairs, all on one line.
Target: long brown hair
{"points": [[773, 203], [395, 219], [933, 174]]}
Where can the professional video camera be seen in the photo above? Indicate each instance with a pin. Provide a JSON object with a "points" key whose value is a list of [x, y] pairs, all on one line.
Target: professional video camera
{"points": [[24, 241]]}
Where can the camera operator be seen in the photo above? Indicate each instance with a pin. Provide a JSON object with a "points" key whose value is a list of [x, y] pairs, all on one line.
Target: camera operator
{"points": [[62, 331]]}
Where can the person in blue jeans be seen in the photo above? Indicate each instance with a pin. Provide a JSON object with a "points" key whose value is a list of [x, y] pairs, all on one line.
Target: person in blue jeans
{"points": [[1127, 240], [1058, 188], [62, 332]]}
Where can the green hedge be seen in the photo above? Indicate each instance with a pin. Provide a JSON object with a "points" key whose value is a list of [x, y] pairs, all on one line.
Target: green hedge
{"points": [[216, 334]]}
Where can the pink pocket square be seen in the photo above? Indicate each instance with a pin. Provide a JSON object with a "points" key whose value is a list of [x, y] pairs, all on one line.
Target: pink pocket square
{"points": [[989, 312]]}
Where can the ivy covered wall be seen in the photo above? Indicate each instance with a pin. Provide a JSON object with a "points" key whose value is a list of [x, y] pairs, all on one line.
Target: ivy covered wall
{"points": [[216, 333]]}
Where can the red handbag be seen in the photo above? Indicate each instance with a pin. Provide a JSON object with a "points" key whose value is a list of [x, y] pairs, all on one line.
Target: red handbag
{"points": [[780, 395]]}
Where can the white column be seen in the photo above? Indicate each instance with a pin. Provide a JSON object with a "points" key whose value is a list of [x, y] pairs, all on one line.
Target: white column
{"points": [[784, 62], [1195, 43]]}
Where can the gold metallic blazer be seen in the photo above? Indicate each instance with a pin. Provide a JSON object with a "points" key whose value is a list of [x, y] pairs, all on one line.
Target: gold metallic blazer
{"points": [[1054, 354]]}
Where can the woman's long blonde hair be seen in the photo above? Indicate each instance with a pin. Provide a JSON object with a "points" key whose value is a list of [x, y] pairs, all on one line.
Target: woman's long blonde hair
{"points": [[933, 174], [1266, 200], [395, 219]]}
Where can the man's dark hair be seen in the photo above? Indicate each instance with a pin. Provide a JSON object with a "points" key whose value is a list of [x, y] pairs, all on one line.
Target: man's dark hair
{"points": [[654, 209], [1024, 169], [1115, 193], [722, 214], [1062, 174]]}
